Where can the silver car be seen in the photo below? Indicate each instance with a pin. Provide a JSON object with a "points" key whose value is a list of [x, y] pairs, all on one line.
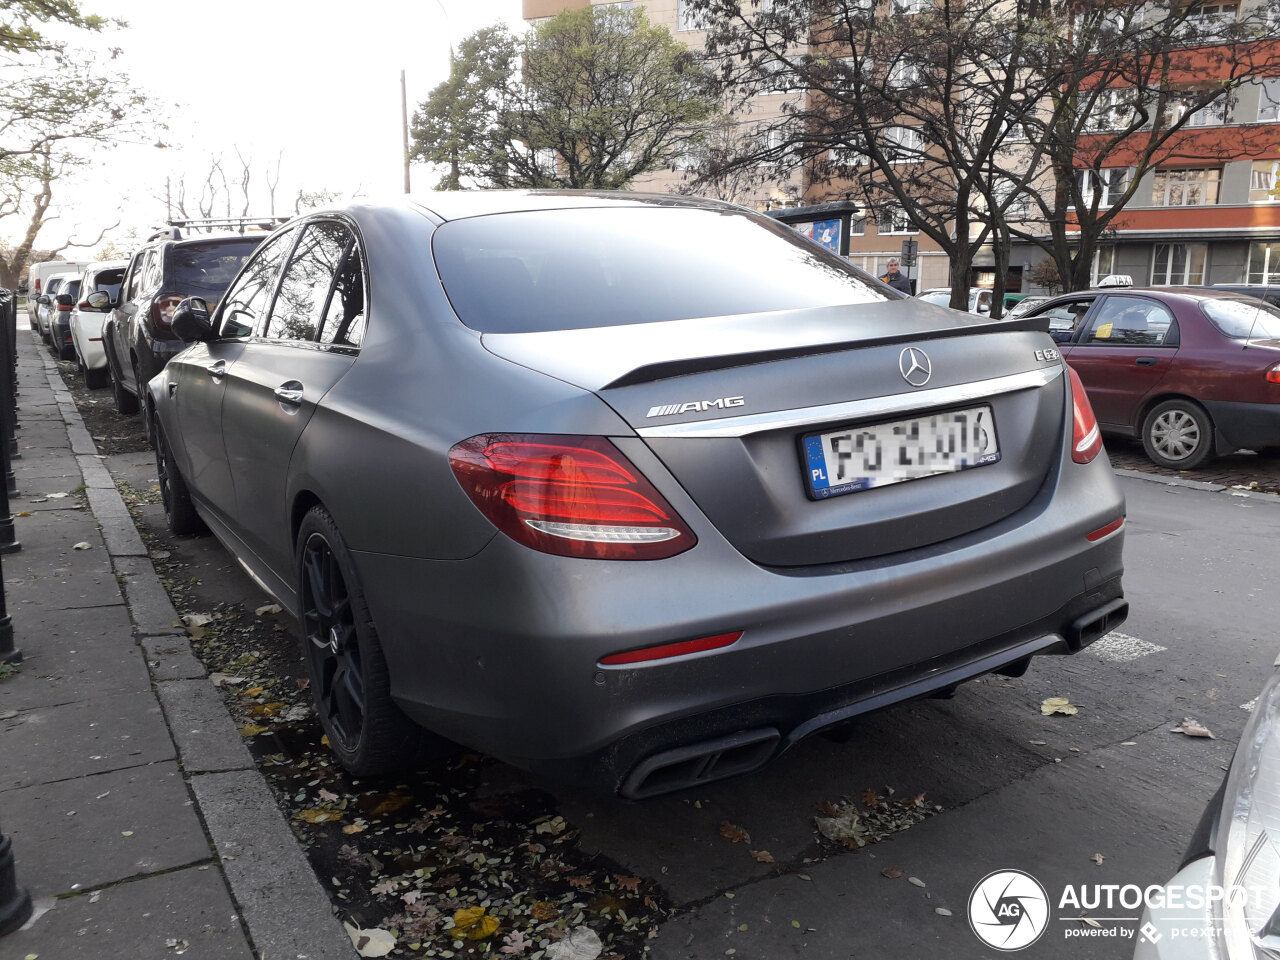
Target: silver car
{"points": [[632, 490]]}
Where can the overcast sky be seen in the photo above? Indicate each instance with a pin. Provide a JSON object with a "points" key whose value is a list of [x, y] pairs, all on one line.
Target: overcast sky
{"points": [[317, 80]]}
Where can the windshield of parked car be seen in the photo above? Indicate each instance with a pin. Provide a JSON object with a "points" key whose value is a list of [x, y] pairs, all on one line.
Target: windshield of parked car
{"points": [[600, 267], [207, 269], [941, 297], [1243, 318]]}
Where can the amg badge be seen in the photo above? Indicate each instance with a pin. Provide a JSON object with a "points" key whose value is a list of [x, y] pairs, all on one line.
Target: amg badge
{"points": [[694, 406]]}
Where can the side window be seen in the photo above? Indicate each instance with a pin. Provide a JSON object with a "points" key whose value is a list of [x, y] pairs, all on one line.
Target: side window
{"points": [[344, 315], [246, 302], [298, 309], [151, 271], [1128, 322], [1065, 317], [135, 275]]}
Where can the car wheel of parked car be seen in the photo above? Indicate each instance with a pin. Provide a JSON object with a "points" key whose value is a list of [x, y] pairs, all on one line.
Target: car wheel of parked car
{"points": [[94, 379], [178, 508], [126, 402], [1178, 434], [348, 673]]}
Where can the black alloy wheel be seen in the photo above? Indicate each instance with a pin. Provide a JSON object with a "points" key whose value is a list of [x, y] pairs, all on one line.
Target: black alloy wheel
{"points": [[178, 508], [333, 649]]}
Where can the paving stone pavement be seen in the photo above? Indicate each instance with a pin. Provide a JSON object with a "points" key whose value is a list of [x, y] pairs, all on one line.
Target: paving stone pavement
{"points": [[140, 826]]}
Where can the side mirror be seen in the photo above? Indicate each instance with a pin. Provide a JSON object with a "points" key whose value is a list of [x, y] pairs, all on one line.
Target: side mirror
{"points": [[66, 300], [43, 300], [99, 300], [191, 321]]}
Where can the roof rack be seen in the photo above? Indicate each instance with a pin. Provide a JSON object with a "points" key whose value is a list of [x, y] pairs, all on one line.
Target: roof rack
{"points": [[174, 228]]}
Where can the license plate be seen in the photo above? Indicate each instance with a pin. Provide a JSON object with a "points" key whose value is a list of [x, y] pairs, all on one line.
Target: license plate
{"points": [[859, 458]]}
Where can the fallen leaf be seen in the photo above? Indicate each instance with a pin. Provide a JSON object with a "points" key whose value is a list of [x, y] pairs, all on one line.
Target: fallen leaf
{"points": [[253, 691], [1089, 921], [942, 911], [1098, 858], [762, 856], [379, 805], [252, 730], [318, 816], [222, 679], [83, 545], [370, 943], [351, 828], [24, 513], [1036, 743], [891, 873], [916, 880], [196, 619], [516, 943], [328, 796], [555, 826], [580, 943], [383, 888], [870, 799], [54, 496], [412, 897], [543, 912], [580, 882], [1193, 728], [269, 608], [1057, 705], [267, 709], [627, 883], [733, 833], [474, 924]]}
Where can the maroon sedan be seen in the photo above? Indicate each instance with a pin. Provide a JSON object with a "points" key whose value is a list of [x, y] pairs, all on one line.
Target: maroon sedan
{"points": [[1192, 372]]}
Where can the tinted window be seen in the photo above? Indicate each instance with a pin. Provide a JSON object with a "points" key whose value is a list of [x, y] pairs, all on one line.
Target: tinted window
{"points": [[246, 303], [135, 277], [570, 269], [109, 281], [1243, 318], [345, 314], [205, 269], [1129, 321], [54, 287], [72, 289], [304, 288]]}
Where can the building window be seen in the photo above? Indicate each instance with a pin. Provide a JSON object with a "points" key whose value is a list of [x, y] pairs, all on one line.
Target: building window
{"points": [[1264, 262], [858, 227], [1208, 22], [902, 144], [907, 7], [1212, 114], [1263, 181], [1110, 110], [776, 76], [686, 18], [903, 75], [1107, 185], [1102, 265], [847, 155], [893, 219], [1178, 264], [1269, 101], [1185, 188]]}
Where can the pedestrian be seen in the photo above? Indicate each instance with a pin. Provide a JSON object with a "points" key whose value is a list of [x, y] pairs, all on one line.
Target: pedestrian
{"points": [[894, 279]]}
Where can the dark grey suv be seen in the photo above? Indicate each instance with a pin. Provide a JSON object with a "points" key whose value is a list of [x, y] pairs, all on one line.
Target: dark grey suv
{"points": [[634, 490], [137, 337]]}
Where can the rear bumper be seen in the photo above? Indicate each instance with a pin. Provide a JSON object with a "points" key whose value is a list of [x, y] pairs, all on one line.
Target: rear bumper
{"points": [[1252, 426], [501, 651]]}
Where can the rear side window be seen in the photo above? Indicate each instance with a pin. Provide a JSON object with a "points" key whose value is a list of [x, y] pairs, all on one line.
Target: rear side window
{"points": [[245, 304], [344, 316], [207, 269], [600, 267]]}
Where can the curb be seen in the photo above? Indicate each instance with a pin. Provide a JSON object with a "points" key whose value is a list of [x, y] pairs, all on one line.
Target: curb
{"points": [[1198, 485], [284, 909]]}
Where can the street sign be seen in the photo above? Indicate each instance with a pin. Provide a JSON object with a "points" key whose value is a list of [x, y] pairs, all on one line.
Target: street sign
{"points": [[909, 248]]}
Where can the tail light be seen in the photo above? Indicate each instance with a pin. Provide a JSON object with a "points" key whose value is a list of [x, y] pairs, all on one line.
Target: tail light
{"points": [[162, 308], [1086, 439], [570, 496], [64, 306], [37, 287], [83, 305], [1273, 373]]}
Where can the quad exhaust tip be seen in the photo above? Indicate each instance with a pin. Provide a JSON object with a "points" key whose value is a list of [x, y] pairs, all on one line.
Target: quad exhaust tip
{"points": [[1096, 624], [701, 763]]}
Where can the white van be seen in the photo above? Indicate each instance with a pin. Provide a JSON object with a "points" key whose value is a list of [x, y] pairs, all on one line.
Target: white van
{"points": [[40, 272]]}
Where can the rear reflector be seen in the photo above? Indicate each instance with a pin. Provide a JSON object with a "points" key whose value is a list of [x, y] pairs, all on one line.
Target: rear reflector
{"points": [[1101, 532], [668, 650], [1273, 373], [1086, 439], [568, 495]]}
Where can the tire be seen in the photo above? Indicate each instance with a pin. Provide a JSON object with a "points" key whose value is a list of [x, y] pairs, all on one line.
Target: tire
{"points": [[126, 402], [178, 508], [96, 379], [1178, 434], [349, 682]]}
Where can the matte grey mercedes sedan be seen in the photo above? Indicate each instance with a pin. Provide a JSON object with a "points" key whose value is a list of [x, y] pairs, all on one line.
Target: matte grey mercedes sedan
{"points": [[631, 490]]}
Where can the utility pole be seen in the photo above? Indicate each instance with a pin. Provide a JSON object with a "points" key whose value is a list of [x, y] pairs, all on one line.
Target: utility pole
{"points": [[404, 124]]}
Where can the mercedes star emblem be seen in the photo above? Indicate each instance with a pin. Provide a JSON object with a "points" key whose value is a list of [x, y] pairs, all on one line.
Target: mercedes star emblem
{"points": [[915, 366]]}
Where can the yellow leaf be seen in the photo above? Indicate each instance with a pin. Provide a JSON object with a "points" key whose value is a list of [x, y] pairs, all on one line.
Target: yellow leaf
{"points": [[253, 691], [24, 513], [1057, 705], [267, 709], [324, 742], [318, 816], [252, 730], [474, 923]]}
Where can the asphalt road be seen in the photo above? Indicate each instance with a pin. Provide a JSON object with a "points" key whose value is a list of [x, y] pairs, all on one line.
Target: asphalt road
{"points": [[1016, 789]]}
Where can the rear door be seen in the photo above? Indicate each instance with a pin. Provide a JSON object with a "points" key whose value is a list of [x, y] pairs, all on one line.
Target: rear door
{"points": [[309, 341], [1122, 356]]}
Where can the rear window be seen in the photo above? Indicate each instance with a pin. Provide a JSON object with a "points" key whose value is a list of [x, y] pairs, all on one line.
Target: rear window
{"points": [[72, 289], [1243, 318], [109, 281], [572, 269], [209, 267]]}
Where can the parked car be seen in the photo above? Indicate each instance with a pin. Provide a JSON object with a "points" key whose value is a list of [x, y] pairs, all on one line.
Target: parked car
{"points": [[47, 303], [86, 320], [1230, 866], [64, 301], [979, 299], [38, 275], [1192, 372], [1263, 291], [490, 464], [136, 336]]}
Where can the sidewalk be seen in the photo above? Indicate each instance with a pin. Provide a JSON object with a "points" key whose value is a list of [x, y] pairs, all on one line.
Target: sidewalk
{"points": [[140, 825]]}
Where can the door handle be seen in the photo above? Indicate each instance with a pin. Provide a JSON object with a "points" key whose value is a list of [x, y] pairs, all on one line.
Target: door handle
{"points": [[290, 392], [1145, 362], [218, 370]]}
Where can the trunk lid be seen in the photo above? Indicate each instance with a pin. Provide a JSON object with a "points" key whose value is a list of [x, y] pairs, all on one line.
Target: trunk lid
{"points": [[726, 404]]}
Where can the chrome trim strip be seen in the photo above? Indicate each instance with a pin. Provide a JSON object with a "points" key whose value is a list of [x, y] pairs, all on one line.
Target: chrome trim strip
{"points": [[855, 409]]}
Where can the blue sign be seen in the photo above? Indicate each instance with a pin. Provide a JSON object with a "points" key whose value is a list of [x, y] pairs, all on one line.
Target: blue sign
{"points": [[825, 232]]}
